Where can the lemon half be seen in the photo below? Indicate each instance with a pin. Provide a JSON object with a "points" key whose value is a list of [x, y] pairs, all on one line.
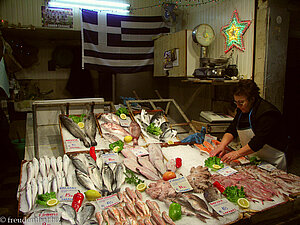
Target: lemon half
{"points": [[52, 202], [243, 202], [116, 149], [216, 166], [81, 125], [123, 116], [170, 142], [141, 187]]}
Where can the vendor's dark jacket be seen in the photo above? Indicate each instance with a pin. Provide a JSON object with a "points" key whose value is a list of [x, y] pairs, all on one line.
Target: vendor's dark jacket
{"points": [[267, 125]]}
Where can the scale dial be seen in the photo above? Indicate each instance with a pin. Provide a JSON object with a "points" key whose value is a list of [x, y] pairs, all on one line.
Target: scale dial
{"points": [[203, 34]]}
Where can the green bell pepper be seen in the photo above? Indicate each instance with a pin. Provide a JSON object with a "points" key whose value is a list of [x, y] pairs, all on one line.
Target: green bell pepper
{"points": [[117, 143], [175, 211]]}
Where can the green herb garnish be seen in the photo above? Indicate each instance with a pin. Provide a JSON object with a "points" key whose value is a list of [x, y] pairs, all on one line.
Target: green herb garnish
{"points": [[77, 119], [233, 193], [122, 110], [42, 199], [132, 178], [255, 161], [209, 162], [152, 129]]}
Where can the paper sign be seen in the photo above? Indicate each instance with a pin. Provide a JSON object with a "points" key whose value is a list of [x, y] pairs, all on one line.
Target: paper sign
{"points": [[126, 122], [226, 171], [44, 218], [73, 144], [209, 138], [139, 151], [223, 206], [108, 201], [66, 194], [267, 166], [180, 184], [110, 158]]}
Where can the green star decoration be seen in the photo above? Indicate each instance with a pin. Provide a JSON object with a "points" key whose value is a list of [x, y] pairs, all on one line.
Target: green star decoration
{"points": [[234, 31]]}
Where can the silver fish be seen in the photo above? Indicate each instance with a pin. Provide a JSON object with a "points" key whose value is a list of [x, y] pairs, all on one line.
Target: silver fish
{"points": [[169, 133], [43, 167], [54, 184], [84, 180], [86, 212], [95, 176], [197, 203], [36, 167], [45, 184], [48, 164], [108, 177], [119, 175], [75, 130], [164, 126], [145, 118], [90, 127], [58, 179], [66, 164], [63, 180], [40, 184], [69, 180], [157, 118], [53, 164], [80, 165], [59, 164], [67, 213], [30, 172], [99, 162], [90, 160], [29, 195], [34, 190]]}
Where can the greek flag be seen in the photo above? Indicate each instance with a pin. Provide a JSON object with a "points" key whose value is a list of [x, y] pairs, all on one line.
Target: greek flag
{"points": [[118, 43]]}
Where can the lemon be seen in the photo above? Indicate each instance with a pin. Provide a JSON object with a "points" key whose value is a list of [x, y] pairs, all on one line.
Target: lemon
{"points": [[116, 149], [170, 142], [141, 187], [92, 195], [81, 125], [52, 202], [216, 166], [243, 202], [123, 116], [128, 139]]}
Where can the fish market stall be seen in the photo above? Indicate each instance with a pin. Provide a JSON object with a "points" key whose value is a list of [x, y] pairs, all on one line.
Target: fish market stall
{"points": [[134, 169]]}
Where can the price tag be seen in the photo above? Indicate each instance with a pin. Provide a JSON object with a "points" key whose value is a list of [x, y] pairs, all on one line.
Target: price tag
{"points": [[108, 201], [110, 158], [209, 138], [139, 151], [44, 218], [73, 144], [180, 184], [66, 194], [223, 206], [126, 122], [226, 171], [267, 166]]}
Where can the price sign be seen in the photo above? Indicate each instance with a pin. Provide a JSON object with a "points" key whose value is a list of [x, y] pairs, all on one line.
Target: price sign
{"points": [[180, 184], [73, 144], [227, 171], [108, 201], [126, 122], [66, 194], [223, 206], [44, 218], [267, 166], [110, 158], [139, 151]]}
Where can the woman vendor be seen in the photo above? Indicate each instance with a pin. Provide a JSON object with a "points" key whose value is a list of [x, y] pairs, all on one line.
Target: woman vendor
{"points": [[258, 124]]}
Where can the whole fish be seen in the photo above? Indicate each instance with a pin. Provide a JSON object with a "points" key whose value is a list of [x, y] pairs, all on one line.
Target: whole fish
{"points": [[115, 129], [79, 164], [59, 180], [69, 180], [211, 194], [90, 160], [167, 219], [84, 180], [110, 118], [145, 162], [90, 127], [108, 177], [131, 164], [53, 164], [30, 172], [197, 203], [43, 167], [110, 137], [114, 213], [68, 213], [105, 216], [40, 184], [95, 176], [99, 218], [45, 184], [29, 195], [164, 126], [157, 118], [148, 173], [169, 133], [54, 184], [99, 162], [36, 167], [86, 212], [59, 164], [66, 164], [48, 164], [63, 180], [135, 131], [34, 190], [75, 130], [145, 118]]}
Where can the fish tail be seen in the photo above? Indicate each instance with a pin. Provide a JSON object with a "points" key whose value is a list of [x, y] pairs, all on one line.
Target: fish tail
{"points": [[200, 217]]}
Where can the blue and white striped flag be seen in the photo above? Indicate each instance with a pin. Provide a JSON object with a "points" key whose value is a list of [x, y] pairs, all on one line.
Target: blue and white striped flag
{"points": [[118, 43]]}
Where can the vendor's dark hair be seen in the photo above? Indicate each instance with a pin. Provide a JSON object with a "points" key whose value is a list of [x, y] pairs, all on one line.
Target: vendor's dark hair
{"points": [[247, 88]]}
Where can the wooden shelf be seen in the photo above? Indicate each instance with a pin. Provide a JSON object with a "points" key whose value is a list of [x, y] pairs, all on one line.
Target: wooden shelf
{"points": [[211, 81]]}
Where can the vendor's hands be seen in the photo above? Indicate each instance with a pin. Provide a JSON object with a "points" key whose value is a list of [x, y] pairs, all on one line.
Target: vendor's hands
{"points": [[217, 151], [230, 156]]}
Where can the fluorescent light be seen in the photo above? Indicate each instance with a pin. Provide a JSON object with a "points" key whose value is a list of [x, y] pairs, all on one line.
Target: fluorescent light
{"points": [[94, 3], [85, 6]]}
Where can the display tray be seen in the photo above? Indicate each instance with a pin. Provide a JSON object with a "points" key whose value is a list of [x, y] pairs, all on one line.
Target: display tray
{"points": [[191, 157]]}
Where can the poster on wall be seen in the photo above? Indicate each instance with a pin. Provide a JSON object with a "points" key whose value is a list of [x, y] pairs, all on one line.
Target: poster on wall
{"points": [[171, 58], [57, 17]]}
